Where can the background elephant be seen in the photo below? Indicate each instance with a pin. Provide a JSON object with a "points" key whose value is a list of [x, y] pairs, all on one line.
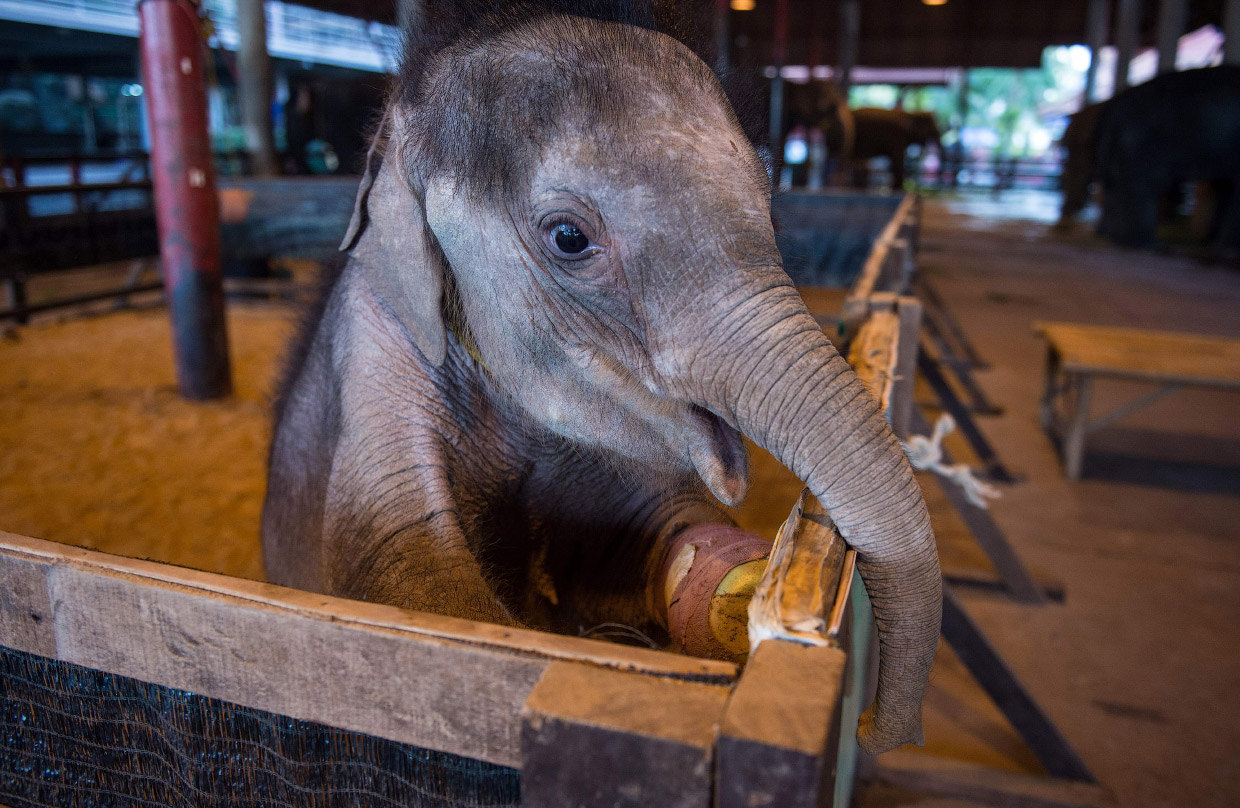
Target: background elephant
{"points": [[859, 134], [1150, 139], [889, 133], [1080, 163], [562, 307]]}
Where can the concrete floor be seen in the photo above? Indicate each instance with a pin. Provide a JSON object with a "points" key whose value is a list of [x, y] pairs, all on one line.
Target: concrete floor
{"points": [[1140, 666]]}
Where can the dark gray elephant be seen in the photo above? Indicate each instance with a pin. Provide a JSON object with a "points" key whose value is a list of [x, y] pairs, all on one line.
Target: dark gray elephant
{"points": [[1080, 161], [1150, 139], [562, 307], [863, 133]]}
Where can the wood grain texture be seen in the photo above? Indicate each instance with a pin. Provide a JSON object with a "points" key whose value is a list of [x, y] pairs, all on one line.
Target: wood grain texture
{"points": [[875, 272], [435, 682], [1133, 353], [25, 610], [778, 740], [592, 737]]}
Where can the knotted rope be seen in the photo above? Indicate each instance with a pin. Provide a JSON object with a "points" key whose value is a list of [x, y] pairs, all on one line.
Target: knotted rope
{"points": [[926, 454]]}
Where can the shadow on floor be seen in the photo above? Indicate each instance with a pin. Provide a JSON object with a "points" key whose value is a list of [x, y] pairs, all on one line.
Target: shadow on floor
{"points": [[1195, 463]]}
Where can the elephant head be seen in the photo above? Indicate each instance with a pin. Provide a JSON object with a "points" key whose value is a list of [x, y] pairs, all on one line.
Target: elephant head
{"points": [[575, 202]]}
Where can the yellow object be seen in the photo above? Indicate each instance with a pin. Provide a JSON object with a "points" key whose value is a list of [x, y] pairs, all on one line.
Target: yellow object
{"points": [[729, 607]]}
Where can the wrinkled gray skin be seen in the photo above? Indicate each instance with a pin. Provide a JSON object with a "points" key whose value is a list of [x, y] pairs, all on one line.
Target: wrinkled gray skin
{"points": [[609, 389]]}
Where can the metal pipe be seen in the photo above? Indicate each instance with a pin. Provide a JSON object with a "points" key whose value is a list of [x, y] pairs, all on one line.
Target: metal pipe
{"points": [[186, 205]]}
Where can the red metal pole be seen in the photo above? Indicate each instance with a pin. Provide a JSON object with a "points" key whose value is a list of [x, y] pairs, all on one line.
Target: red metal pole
{"points": [[186, 207]]}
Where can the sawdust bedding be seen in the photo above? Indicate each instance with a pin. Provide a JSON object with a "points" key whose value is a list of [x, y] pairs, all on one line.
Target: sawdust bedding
{"points": [[98, 450]]}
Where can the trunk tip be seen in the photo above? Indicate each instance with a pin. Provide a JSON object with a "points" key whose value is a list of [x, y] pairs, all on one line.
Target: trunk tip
{"points": [[875, 736]]}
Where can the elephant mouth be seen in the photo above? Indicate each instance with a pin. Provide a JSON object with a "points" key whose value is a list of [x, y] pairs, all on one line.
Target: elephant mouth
{"points": [[717, 452]]}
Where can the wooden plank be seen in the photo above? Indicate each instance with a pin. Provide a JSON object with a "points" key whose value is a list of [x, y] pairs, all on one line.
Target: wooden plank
{"points": [[778, 740], [955, 779], [856, 305], [325, 607], [25, 610], [1133, 353], [593, 737], [426, 680], [873, 354]]}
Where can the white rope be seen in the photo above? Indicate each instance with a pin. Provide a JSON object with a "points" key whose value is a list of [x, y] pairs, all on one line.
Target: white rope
{"points": [[926, 454]]}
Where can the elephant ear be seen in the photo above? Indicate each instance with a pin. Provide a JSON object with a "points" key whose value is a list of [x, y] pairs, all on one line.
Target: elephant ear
{"points": [[401, 260]]}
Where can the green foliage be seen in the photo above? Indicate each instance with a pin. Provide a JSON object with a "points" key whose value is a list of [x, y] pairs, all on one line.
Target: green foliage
{"points": [[1016, 105]]}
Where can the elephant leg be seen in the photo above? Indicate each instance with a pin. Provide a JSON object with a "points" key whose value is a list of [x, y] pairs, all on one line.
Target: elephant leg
{"points": [[1130, 216], [1226, 231], [897, 170]]}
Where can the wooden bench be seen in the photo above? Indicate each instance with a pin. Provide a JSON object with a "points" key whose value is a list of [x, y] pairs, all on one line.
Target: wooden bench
{"points": [[1079, 354]]}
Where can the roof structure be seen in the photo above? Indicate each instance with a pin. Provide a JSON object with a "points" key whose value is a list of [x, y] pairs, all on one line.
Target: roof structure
{"points": [[896, 33]]}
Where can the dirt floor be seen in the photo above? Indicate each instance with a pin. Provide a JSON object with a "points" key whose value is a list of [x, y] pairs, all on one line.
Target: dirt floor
{"points": [[1139, 667]]}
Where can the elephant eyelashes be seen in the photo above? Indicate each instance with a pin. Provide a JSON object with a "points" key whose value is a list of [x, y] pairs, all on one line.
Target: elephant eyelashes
{"points": [[567, 241]]}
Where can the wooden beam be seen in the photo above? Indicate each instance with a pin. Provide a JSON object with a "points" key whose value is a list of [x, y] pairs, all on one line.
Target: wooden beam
{"points": [[437, 682], [874, 274], [593, 737], [1172, 15], [1008, 693], [779, 736], [900, 408]]}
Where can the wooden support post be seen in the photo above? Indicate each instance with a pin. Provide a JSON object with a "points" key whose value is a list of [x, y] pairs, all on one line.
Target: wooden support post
{"points": [[900, 412], [186, 204], [777, 742], [1231, 32], [594, 737], [1097, 29], [850, 39], [1171, 21], [1074, 441], [1126, 31], [254, 86]]}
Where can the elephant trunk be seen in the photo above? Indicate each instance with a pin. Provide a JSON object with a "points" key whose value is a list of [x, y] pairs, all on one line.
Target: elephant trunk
{"points": [[784, 385]]}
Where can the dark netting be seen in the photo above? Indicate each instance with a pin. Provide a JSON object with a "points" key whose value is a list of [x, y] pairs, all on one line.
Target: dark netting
{"points": [[77, 737], [825, 238]]}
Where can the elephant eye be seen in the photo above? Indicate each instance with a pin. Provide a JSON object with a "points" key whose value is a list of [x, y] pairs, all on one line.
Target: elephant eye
{"points": [[567, 241]]}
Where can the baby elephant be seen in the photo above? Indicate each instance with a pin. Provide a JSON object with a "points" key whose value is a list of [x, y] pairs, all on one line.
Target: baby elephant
{"points": [[562, 307]]}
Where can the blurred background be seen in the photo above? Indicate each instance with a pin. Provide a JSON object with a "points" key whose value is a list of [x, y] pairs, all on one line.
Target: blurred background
{"points": [[1022, 168]]}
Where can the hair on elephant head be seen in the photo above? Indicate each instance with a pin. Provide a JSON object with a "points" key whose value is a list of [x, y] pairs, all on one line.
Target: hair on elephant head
{"points": [[562, 309]]}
